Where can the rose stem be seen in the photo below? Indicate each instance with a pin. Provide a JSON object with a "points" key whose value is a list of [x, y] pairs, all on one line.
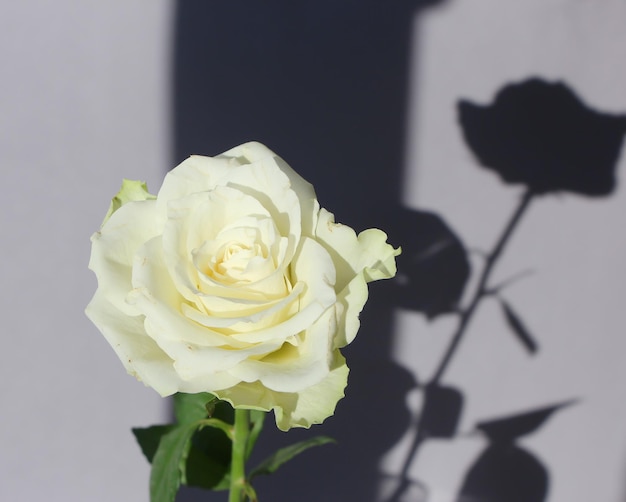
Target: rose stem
{"points": [[465, 316], [482, 290], [237, 465]]}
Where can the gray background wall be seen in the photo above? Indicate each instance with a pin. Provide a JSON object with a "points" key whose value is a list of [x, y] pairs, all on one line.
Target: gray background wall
{"points": [[83, 103], [86, 99]]}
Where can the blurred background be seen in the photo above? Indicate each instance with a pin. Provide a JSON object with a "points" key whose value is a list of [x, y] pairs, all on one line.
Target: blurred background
{"points": [[361, 98]]}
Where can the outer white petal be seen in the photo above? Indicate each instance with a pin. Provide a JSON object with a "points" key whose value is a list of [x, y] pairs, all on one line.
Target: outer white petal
{"points": [[310, 406], [114, 247], [369, 252], [317, 403], [195, 174], [359, 260], [253, 152], [139, 354], [248, 153], [208, 382], [265, 182], [350, 303]]}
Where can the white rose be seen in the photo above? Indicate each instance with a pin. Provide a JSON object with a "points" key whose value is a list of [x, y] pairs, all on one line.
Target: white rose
{"points": [[233, 281]]}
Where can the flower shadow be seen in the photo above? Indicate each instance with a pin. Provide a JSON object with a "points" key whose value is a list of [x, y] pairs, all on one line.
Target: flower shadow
{"points": [[542, 135], [539, 134]]}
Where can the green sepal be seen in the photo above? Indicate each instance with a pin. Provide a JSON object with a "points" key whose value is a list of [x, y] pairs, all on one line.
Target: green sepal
{"points": [[131, 191], [274, 461]]}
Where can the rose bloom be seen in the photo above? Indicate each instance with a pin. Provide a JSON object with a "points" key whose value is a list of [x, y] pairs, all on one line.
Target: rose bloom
{"points": [[234, 281]]}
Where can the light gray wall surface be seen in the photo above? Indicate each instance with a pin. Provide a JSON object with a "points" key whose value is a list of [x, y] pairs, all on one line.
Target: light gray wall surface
{"points": [[83, 103]]}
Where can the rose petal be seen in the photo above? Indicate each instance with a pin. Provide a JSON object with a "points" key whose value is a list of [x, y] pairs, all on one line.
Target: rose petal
{"points": [[350, 303], [369, 252], [302, 409], [197, 351], [306, 364], [359, 260], [139, 354], [315, 404], [219, 306], [199, 218], [193, 175], [313, 267], [245, 320], [253, 152], [266, 183], [242, 253], [156, 297], [114, 246]]}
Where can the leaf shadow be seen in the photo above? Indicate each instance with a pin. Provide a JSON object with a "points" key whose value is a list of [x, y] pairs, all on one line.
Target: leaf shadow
{"points": [[505, 470]]}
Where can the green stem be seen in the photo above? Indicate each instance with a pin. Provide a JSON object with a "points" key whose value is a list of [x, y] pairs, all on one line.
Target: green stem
{"points": [[237, 464]]}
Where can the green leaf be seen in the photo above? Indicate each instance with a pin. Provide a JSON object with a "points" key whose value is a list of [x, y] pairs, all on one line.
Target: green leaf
{"points": [[256, 418], [272, 463], [169, 461], [149, 438], [189, 408], [202, 471], [196, 452], [208, 463]]}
